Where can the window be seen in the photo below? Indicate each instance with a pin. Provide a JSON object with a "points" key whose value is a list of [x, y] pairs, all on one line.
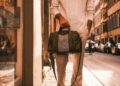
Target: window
{"points": [[119, 18], [104, 13], [113, 21], [118, 38], [105, 28], [110, 2]]}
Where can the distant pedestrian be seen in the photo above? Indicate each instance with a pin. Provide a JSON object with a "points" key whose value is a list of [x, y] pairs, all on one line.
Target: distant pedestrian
{"points": [[90, 47]]}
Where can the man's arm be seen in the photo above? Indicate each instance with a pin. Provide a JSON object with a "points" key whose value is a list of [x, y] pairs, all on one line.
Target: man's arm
{"points": [[55, 11], [90, 12]]}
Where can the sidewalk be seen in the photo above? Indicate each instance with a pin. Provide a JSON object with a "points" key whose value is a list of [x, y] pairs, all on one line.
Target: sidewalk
{"points": [[7, 74], [88, 78], [7, 77]]}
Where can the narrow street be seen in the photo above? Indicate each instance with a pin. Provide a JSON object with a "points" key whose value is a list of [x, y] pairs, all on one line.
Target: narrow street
{"points": [[99, 70]]}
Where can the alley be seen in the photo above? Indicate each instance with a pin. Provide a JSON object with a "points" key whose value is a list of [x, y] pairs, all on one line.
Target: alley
{"points": [[99, 70]]}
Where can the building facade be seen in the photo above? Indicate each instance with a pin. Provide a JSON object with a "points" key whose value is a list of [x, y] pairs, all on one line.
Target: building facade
{"points": [[107, 21]]}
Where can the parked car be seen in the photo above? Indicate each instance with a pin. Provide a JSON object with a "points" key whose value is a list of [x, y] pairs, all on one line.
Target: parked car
{"points": [[112, 49], [96, 47], [102, 47], [99, 47]]}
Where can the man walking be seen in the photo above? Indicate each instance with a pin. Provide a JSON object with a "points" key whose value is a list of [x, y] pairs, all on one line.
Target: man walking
{"points": [[78, 14]]}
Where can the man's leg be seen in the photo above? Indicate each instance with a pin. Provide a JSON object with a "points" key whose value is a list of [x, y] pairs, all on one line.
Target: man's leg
{"points": [[61, 62], [75, 59]]}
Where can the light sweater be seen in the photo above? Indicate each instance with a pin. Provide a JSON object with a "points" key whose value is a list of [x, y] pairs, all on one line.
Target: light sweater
{"points": [[77, 12]]}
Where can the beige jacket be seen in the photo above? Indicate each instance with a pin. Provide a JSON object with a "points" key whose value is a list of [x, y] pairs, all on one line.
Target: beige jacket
{"points": [[77, 12]]}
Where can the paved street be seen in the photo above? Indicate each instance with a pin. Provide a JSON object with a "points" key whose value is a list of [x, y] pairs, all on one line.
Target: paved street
{"points": [[99, 70], [105, 67], [7, 74], [7, 77]]}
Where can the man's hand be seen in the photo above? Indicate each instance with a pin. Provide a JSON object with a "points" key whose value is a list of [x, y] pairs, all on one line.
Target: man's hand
{"points": [[62, 21], [89, 25]]}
